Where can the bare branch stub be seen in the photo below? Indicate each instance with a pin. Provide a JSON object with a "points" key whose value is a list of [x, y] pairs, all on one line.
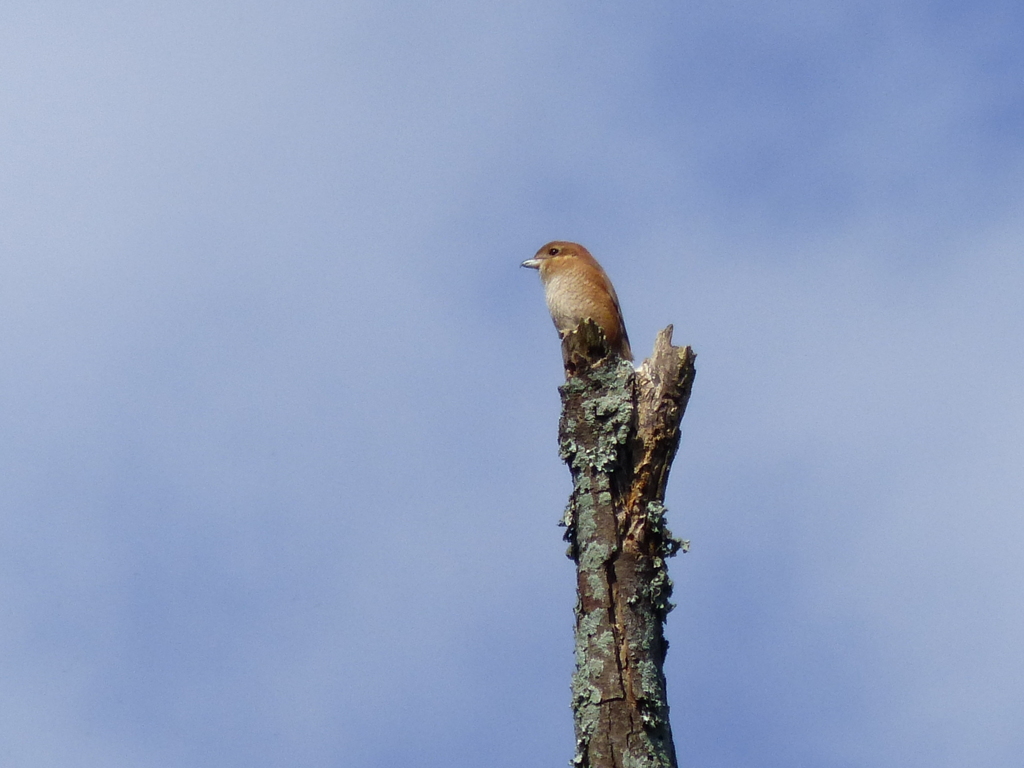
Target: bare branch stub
{"points": [[583, 348], [618, 433]]}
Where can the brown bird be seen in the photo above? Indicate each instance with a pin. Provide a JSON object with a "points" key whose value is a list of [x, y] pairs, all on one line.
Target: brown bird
{"points": [[575, 288]]}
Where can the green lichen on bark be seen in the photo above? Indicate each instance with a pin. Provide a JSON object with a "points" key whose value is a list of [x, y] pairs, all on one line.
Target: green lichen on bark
{"points": [[605, 419], [658, 589], [593, 435]]}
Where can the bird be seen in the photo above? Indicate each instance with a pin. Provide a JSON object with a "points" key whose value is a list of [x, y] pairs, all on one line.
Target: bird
{"points": [[577, 288]]}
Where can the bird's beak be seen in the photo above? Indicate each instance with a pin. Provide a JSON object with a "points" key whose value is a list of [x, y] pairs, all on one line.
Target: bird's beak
{"points": [[531, 263]]}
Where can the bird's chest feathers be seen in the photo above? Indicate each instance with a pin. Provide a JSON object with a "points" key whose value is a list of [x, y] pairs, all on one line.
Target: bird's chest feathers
{"points": [[568, 299]]}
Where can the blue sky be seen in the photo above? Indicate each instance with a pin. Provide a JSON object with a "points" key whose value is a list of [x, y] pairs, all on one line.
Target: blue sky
{"points": [[279, 481]]}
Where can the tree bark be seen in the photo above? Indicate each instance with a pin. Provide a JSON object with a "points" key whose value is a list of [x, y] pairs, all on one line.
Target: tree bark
{"points": [[618, 433]]}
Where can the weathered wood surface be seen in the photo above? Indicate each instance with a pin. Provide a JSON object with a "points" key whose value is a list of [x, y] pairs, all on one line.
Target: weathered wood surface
{"points": [[618, 433]]}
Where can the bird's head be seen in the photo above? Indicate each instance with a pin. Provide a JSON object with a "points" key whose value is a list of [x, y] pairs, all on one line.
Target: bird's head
{"points": [[558, 254]]}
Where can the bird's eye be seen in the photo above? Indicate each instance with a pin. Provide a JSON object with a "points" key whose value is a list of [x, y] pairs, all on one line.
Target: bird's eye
{"points": [[552, 251]]}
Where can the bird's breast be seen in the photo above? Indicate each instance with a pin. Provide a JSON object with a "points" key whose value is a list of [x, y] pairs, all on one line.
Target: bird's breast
{"points": [[567, 299]]}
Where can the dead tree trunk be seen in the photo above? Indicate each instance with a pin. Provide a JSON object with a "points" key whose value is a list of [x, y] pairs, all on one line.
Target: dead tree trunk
{"points": [[618, 433]]}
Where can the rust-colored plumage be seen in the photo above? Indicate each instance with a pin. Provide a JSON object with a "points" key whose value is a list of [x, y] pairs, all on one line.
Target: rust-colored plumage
{"points": [[575, 288]]}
